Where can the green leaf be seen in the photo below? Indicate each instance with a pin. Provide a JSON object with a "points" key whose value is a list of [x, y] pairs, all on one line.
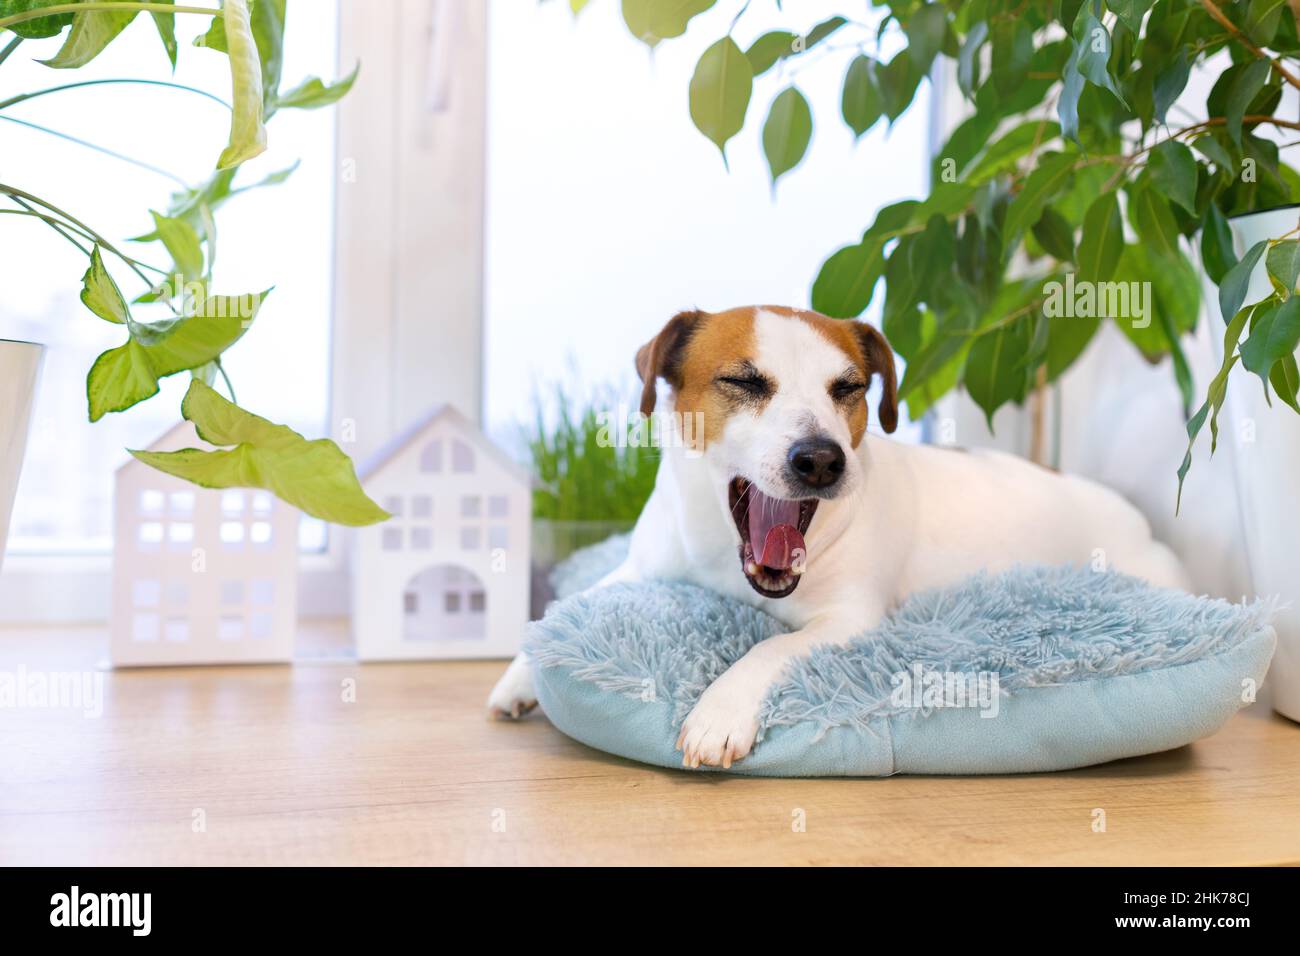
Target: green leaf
{"points": [[898, 80], [764, 52], [1274, 334], [994, 371], [1053, 172], [182, 243], [1243, 90], [1285, 379], [1262, 18], [100, 294], [166, 26], [968, 58], [313, 93], [653, 20], [1130, 12], [846, 281], [821, 31], [1094, 49], [1283, 265], [1215, 394], [1151, 217], [1067, 107], [1173, 171], [315, 476], [926, 29], [1055, 235], [267, 17], [39, 28], [719, 92], [1217, 254], [1004, 152], [1232, 290], [861, 103], [247, 134], [129, 374], [1012, 50], [1169, 85], [1102, 240], [786, 132], [91, 31]]}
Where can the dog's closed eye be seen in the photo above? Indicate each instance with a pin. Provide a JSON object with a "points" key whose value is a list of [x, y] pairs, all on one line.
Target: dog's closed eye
{"points": [[749, 382], [845, 389]]}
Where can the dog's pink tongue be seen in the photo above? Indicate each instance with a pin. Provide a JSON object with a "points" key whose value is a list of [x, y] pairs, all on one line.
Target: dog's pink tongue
{"points": [[772, 523]]}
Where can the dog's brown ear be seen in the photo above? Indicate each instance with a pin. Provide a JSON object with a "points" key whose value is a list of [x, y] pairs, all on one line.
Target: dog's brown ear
{"points": [[661, 357], [880, 361]]}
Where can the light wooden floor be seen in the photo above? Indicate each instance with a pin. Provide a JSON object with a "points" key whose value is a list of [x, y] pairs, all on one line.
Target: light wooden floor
{"points": [[281, 770]]}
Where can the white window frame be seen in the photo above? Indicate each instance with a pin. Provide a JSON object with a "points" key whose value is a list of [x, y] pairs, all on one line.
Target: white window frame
{"points": [[409, 201]]}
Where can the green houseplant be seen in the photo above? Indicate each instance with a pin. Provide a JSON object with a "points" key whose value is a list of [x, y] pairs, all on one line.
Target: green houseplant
{"points": [[178, 323], [1076, 174]]}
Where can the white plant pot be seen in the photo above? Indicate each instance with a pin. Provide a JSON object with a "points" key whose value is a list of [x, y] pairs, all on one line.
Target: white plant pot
{"points": [[20, 362], [1266, 447]]}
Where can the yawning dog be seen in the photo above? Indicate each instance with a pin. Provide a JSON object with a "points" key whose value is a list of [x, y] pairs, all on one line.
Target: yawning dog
{"points": [[784, 500]]}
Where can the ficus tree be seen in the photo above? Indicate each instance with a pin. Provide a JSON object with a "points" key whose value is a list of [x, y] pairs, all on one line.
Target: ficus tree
{"points": [[1079, 170], [178, 322]]}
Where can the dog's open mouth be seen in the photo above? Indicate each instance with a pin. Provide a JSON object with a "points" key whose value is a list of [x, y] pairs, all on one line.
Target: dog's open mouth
{"points": [[772, 550]]}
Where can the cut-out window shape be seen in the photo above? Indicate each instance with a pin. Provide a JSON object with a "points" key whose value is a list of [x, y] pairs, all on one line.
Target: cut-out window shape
{"points": [[259, 625], [431, 457], [232, 502], [469, 506], [498, 506], [263, 502], [176, 630], [477, 602], [469, 538], [230, 628], [498, 536], [144, 628], [421, 506], [259, 532], [462, 457], [178, 593], [232, 592], [437, 605], [421, 539], [180, 534], [146, 592], [150, 535], [391, 539], [181, 503], [151, 502], [232, 534], [261, 592], [393, 505]]}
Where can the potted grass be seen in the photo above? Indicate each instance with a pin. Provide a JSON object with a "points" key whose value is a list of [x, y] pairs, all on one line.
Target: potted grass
{"points": [[593, 471]]}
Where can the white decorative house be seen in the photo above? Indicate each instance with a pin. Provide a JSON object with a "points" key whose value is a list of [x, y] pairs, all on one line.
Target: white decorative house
{"points": [[447, 576], [200, 576]]}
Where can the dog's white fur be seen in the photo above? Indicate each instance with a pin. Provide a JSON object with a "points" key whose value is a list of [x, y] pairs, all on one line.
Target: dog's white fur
{"points": [[906, 518]]}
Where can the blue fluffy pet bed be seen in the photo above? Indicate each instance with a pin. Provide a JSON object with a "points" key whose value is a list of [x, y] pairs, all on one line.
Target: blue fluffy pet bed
{"points": [[1038, 668]]}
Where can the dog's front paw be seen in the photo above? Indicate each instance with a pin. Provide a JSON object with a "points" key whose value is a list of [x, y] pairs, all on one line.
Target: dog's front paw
{"points": [[513, 696], [722, 726]]}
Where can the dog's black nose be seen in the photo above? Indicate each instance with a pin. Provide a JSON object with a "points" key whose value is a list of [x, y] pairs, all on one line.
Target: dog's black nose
{"points": [[817, 462]]}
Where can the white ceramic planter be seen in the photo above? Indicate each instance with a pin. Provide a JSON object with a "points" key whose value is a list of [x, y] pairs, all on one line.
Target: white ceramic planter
{"points": [[1266, 449], [20, 363]]}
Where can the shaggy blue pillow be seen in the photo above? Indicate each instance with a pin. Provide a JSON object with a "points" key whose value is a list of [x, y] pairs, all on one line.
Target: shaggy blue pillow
{"points": [[1038, 668]]}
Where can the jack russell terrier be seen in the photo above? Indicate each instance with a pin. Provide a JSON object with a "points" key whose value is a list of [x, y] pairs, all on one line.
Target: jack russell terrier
{"points": [[785, 501]]}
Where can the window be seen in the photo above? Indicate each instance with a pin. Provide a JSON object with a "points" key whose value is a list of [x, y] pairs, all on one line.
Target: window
{"points": [[633, 127], [431, 457], [462, 457], [281, 236]]}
